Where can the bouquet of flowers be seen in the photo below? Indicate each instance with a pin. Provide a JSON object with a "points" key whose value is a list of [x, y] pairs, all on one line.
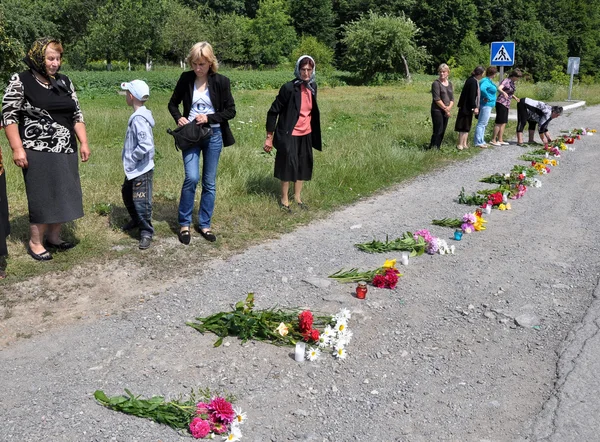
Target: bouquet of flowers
{"points": [[434, 244], [385, 276], [540, 167], [407, 242], [278, 326], [470, 222], [201, 415], [335, 336], [471, 200]]}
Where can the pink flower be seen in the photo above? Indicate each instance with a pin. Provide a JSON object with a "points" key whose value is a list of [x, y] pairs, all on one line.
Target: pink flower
{"points": [[199, 428], [221, 409], [467, 227], [379, 281], [218, 427], [202, 408], [424, 233]]}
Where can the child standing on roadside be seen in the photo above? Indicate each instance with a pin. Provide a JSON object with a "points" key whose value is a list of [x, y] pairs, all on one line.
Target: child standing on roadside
{"points": [[138, 162]]}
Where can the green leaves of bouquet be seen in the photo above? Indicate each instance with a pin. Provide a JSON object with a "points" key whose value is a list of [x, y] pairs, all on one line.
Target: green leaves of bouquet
{"points": [[260, 325], [406, 242]]}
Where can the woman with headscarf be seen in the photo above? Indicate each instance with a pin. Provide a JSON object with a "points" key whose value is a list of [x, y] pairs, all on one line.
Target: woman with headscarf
{"points": [[468, 105], [207, 100], [294, 129], [43, 122], [4, 225]]}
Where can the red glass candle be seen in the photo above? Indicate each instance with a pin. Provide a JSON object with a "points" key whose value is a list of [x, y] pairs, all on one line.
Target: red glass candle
{"points": [[361, 290]]}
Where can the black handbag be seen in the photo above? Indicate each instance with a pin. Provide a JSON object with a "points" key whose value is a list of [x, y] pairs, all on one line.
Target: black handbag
{"points": [[190, 135]]}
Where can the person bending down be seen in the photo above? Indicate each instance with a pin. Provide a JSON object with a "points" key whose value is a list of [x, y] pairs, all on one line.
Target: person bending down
{"points": [[535, 112]]}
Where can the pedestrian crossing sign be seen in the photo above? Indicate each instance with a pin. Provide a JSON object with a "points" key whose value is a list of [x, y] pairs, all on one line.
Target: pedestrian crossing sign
{"points": [[502, 53]]}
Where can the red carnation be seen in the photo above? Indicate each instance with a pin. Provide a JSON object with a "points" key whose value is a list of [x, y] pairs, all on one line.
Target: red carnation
{"points": [[199, 428], [379, 281], [312, 335], [305, 321], [391, 278], [496, 198], [222, 410]]}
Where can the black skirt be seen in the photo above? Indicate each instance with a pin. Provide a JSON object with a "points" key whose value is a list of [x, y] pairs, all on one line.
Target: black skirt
{"points": [[53, 187], [4, 225], [501, 114], [295, 163], [463, 122]]}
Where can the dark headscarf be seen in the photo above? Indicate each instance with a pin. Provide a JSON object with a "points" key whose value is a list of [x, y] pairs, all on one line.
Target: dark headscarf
{"points": [[311, 81], [36, 61]]}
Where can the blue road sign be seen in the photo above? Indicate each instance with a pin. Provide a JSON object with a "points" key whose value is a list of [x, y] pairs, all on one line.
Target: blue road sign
{"points": [[502, 53]]}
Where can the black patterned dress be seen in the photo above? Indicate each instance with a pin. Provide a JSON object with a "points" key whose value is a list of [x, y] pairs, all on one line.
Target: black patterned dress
{"points": [[46, 117]]}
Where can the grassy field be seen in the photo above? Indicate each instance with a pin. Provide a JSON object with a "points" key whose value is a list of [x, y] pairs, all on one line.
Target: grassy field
{"points": [[373, 138]]}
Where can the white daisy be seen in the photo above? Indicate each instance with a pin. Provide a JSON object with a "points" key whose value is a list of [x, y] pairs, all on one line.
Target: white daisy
{"points": [[324, 340], [344, 338], [234, 435], [313, 353], [340, 353], [452, 249], [240, 416], [343, 314], [328, 331], [341, 326]]}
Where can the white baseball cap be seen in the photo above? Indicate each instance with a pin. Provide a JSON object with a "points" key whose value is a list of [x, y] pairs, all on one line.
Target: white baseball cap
{"points": [[138, 88]]}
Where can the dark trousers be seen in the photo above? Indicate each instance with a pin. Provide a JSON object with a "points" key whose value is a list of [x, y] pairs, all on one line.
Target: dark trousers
{"points": [[523, 116], [137, 197], [440, 121]]}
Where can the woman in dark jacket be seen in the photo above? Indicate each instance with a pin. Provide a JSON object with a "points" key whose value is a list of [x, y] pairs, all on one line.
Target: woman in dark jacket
{"points": [[207, 99], [294, 129], [468, 105]]}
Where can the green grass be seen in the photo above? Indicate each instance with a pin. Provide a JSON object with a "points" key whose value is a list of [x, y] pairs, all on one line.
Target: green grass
{"points": [[373, 138]]}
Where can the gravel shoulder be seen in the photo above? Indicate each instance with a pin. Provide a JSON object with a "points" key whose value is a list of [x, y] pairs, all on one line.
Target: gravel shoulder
{"points": [[438, 358]]}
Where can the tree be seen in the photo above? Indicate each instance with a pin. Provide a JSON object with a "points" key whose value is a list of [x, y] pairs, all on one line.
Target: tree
{"points": [[382, 45], [25, 21], [199, 24], [234, 41], [444, 25], [314, 17], [274, 34], [11, 53]]}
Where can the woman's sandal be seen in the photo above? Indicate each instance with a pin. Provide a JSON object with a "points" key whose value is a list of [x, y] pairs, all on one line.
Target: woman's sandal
{"points": [[184, 236], [285, 208], [62, 246]]}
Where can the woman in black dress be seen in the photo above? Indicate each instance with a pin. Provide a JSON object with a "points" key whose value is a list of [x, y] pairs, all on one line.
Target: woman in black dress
{"points": [[43, 121], [294, 129], [468, 105]]}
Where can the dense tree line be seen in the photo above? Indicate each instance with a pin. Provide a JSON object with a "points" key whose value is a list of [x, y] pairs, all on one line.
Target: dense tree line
{"points": [[370, 37]]}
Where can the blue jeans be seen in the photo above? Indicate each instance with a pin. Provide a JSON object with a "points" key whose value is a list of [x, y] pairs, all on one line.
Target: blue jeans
{"points": [[482, 121], [137, 197], [211, 150]]}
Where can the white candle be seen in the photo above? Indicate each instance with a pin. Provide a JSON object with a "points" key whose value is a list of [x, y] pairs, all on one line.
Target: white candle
{"points": [[300, 350], [488, 209], [404, 258]]}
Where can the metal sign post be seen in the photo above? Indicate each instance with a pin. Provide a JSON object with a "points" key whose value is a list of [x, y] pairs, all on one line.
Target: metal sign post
{"points": [[502, 53], [572, 68]]}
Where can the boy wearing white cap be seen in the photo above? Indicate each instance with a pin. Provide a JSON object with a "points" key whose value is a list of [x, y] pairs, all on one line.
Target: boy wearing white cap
{"points": [[138, 162]]}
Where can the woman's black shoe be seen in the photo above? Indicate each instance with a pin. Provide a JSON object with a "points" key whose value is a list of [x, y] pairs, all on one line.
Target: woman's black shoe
{"points": [[208, 235], [44, 256], [184, 236]]}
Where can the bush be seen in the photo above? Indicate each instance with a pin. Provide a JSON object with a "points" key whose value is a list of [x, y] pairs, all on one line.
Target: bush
{"points": [[557, 76], [544, 91], [322, 54]]}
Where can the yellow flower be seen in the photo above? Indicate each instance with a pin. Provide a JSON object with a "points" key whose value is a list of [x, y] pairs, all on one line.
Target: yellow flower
{"points": [[389, 264], [546, 161], [282, 329], [502, 207], [554, 162]]}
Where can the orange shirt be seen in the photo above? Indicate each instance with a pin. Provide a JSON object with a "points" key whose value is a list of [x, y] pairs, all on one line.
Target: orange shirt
{"points": [[303, 125]]}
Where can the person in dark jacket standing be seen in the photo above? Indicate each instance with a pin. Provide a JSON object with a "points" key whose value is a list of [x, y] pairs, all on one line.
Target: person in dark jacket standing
{"points": [[207, 99], [468, 105], [294, 129]]}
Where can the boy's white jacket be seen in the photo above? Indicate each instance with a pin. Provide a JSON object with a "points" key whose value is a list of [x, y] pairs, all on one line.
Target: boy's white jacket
{"points": [[138, 149]]}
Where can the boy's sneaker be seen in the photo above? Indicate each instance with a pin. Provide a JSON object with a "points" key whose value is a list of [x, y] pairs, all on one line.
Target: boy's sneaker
{"points": [[145, 242]]}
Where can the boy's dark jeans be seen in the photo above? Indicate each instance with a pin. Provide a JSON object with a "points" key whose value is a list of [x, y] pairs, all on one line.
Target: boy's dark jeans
{"points": [[137, 197]]}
